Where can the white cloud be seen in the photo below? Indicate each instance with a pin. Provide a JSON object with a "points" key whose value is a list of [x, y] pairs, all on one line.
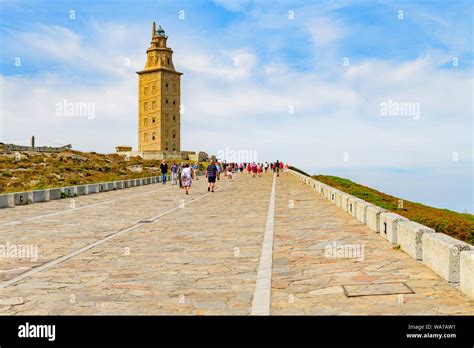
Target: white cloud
{"points": [[226, 65], [249, 95], [245, 106], [325, 31]]}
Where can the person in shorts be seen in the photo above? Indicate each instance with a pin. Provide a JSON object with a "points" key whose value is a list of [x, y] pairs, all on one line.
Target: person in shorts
{"points": [[211, 175], [187, 175]]}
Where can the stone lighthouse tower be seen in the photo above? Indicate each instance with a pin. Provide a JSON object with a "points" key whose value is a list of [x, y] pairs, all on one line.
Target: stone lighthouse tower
{"points": [[159, 98]]}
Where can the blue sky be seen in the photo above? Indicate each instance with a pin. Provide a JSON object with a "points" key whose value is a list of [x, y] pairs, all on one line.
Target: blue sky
{"points": [[290, 55]]}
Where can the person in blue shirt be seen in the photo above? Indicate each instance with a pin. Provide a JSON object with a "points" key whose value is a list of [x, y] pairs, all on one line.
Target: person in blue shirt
{"points": [[211, 175]]}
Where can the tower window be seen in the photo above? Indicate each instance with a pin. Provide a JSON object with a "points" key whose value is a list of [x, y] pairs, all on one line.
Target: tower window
{"points": [[166, 101], [168, 63], [153, 88], [174, 117], [174, 103], [166, 85], [145, 137], [145, 106], [153, 105], [174, 136], [153, 136], [145, 122], [166, 149], [153, 120], [145, 90]]}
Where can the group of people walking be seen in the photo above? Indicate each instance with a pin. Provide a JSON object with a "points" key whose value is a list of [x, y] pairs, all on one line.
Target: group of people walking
{"points": [[181, 175], [184, 174], [257, 169]]}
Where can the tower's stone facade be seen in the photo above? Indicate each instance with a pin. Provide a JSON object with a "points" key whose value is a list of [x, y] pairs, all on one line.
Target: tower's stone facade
{"points": [[159, 122]]}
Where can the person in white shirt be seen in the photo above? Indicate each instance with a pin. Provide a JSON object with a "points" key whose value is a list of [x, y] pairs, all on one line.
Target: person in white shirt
{"points": [[187, 175]]}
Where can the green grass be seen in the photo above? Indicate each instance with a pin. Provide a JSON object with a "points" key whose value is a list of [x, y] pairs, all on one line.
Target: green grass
{"points": [[298, 170], [454, 224]]}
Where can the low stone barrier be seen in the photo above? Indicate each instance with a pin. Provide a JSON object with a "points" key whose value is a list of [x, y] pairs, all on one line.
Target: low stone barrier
{"points": [[361, 211], [22, 198], [322, 189], [332, 195], [373, 217], [327, 192], [351, 205], [466, 268], [388, 226], [442, 254], [82, 190], [92, 188], [317, 186], [344, 201], [410, 235], [338, 198], [70, 191], [450, 258], [6, 200], [40, 196], [54, 193]]}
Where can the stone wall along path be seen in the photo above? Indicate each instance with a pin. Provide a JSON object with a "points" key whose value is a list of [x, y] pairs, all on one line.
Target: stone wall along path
{"points": [[153, 250]]}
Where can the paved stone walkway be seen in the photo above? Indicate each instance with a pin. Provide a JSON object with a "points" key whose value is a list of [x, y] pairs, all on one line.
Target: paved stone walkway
{"points": [[154, 250]]}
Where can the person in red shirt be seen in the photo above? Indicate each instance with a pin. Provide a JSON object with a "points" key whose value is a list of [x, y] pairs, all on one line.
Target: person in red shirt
{"points": [[248, 168], [254, 169]]}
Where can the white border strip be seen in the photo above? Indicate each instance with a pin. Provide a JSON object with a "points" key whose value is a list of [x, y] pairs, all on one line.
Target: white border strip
{"points": [[263, 285], [64, 258], [71, 210]]}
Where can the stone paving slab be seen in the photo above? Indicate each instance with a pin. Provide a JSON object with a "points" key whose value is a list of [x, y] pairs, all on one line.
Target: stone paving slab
{"points": [[199, 255], [318, 249], [59, 227], [201, 259]]}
